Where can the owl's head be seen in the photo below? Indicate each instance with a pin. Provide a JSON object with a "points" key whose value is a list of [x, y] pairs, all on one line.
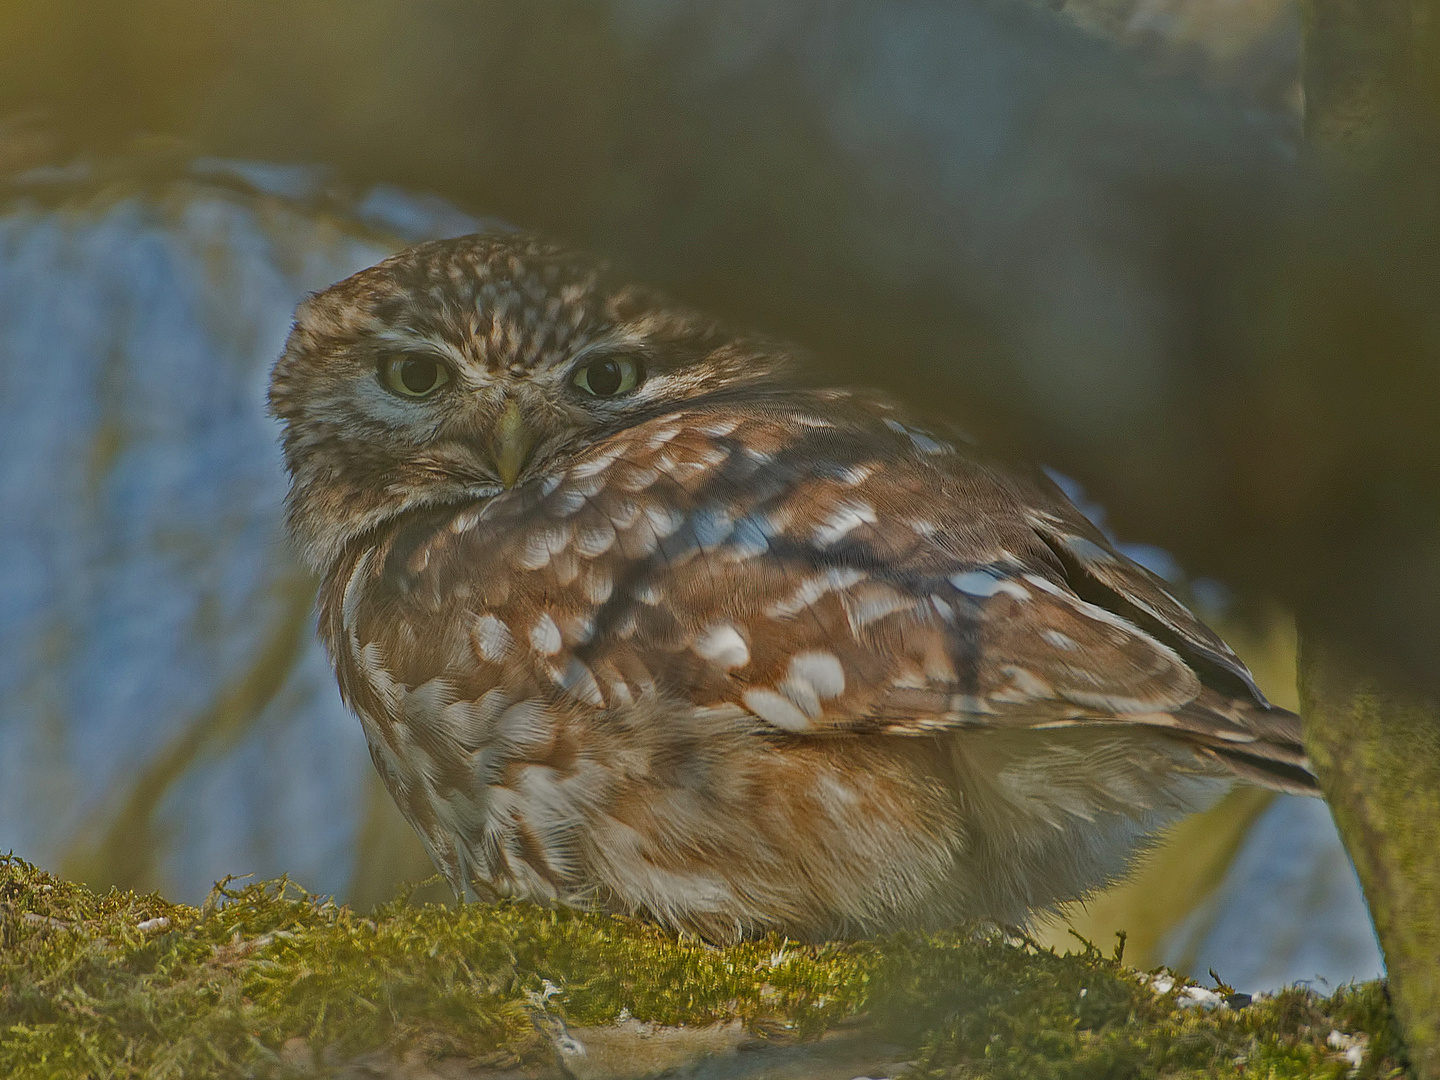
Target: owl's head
{"points": [[460, 368]]}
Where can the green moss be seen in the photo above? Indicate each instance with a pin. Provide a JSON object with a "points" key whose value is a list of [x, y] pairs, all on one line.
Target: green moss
{"points": [[222, 990]]}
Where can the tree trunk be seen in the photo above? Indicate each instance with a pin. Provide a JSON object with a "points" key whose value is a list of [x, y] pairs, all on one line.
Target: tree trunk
{"points": [[1372, 88], [1377, 751]]}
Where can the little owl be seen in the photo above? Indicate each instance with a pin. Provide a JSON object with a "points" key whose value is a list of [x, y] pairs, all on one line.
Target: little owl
{"points": [[636, 619]]}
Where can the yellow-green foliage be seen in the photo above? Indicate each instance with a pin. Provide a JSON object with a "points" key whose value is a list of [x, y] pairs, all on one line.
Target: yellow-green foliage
{"points": [[84, 991]]}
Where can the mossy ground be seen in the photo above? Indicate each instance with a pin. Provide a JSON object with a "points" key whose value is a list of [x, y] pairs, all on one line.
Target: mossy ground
{"points": [[219, 991]]}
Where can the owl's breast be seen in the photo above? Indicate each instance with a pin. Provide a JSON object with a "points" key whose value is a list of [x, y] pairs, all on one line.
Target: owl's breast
{"points": [[485, 760]]}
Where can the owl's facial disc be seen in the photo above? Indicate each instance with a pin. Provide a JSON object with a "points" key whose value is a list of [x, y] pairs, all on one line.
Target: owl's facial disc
{"points": [[462, 414], [526, 417]]}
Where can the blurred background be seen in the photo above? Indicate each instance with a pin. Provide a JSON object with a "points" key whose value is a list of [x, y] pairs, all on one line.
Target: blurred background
{"points": [[1086, 231]]}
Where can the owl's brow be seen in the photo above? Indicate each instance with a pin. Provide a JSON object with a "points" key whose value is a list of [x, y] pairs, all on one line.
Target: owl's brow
{"points": [[616, 340], [406, 340]]}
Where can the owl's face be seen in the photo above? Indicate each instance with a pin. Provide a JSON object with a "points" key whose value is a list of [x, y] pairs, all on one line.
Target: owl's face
{"points": [[461, 368]]}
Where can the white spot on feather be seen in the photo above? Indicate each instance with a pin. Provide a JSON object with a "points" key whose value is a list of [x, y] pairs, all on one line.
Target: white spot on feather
{"points": [[920, 440], [1044, 584], [593, 467], [640, 479], [545, 636], [594, 540], [846, 518], [839, 798], [580, 681], [925, 444], [663, 520], [723, 646], [774, 709], [874, 604], [623, 513], [541, 545], [721, 427], [1109, 618], [1087, 550], [464, 521], [985, 583], [680, 471], [822, 670], [535, 555], [813, 677], [814, 587], [1024, 686], [491, 637]]}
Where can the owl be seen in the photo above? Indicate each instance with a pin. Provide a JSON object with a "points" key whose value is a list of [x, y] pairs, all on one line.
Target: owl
{"points": [[638, 617]]}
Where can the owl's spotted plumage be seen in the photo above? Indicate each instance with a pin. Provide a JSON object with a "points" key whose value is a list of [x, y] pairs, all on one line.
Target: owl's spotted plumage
{"points": [[633, 618]]}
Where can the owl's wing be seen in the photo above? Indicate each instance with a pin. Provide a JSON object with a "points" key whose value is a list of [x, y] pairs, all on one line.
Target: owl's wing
{"points": [[914, 592]]}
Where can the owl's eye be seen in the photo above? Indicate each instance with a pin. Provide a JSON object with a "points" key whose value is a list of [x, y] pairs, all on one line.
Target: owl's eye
{"points": [[612, 376], [413, 375]]}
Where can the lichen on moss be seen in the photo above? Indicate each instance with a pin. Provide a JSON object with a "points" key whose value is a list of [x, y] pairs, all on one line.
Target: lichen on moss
{"points": [[120, 985]]}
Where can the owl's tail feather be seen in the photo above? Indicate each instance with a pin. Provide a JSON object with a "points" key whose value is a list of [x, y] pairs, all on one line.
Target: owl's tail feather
{"points": [[1276, 775], [1263, 745]]}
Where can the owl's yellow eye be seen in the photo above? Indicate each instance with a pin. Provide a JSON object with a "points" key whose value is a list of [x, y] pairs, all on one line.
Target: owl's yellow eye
{"points": [[413, 375], [609, 377]]}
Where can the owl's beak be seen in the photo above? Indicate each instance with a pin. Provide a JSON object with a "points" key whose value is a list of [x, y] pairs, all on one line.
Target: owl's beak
{"points": [[513, 443]]}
